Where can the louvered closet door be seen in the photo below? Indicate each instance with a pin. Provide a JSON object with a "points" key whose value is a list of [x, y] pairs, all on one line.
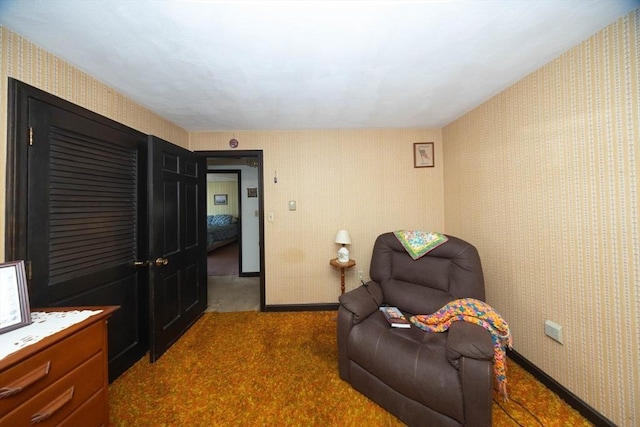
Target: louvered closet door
{"points": [[87, 222]]}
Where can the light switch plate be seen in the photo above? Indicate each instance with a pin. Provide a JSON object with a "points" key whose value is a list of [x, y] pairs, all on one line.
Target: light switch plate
{"points": [[292, 205]]}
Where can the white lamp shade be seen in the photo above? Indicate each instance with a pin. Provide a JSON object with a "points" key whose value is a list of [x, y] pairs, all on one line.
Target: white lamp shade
{"points": [[342, 237]]}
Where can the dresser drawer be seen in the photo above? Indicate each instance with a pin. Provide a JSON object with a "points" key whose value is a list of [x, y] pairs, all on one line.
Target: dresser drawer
{"points": [[36, 373], [89, 414], [55, 403]]}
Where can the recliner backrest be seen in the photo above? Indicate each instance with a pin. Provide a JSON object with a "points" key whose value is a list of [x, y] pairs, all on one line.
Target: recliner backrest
{"points": [[450, 271]]}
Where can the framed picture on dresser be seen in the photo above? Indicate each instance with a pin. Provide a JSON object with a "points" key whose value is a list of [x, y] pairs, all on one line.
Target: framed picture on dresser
{"points": [[14, 297]]}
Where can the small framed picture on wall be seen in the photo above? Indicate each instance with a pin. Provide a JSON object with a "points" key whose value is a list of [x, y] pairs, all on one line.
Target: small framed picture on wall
{"points": [[219, 199], [423, 155]]}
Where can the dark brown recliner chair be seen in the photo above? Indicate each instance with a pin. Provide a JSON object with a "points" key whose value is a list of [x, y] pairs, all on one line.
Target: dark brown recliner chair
{"points": [[423, 378]]}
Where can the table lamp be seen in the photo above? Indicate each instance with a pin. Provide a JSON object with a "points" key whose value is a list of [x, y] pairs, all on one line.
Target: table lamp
{"points": [[342, 237]]}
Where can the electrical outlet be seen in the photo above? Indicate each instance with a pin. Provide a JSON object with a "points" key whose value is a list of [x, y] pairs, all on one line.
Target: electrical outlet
{"points": [[553, 330], [359, 275]]}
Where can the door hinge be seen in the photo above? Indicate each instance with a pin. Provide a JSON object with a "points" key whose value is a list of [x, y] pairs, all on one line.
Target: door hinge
{"points": [[30, 136], [28, 269]]}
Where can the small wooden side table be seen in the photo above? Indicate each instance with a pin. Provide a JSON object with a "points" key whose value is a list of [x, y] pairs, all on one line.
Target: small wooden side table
{"points": [[342, 265]]}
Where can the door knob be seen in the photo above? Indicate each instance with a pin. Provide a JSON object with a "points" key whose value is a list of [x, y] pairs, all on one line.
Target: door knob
{"points": [[159, 262]]}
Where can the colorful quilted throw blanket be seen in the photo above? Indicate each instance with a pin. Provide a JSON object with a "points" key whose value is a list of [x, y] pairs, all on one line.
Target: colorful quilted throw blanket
{"points": [[419, 243], [478, 312]]}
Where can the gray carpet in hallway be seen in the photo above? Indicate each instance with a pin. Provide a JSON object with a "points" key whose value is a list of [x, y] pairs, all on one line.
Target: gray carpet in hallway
{"points": [[233, 293]]}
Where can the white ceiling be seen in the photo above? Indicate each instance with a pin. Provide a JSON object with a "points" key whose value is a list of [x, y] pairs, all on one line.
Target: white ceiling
{"points": [[242, 65]]}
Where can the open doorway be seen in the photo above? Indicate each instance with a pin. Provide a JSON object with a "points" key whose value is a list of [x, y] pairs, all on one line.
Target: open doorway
{"points": [[224, 220], [234, 196]]}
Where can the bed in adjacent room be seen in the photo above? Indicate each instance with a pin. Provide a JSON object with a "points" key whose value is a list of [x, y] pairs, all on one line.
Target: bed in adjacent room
{"points": [[221, 230]]}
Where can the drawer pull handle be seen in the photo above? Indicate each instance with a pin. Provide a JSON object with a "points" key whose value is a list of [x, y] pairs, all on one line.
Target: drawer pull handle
{"points": [[25, 381], [52, 407]]}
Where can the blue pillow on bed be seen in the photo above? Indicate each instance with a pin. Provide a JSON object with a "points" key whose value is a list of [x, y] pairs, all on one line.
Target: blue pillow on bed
{"points": [[220, 219]]}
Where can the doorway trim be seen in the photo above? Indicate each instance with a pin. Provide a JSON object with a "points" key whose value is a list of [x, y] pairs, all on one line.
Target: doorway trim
{"points": [[259, 155]]}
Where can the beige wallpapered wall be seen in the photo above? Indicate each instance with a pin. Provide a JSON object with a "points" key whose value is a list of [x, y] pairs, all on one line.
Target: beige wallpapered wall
{"points": [[30, 64], [361, 181], [543, 178]]}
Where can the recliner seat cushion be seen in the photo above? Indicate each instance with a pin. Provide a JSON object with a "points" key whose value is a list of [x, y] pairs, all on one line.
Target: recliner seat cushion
{"points": [[412, 298], [410, 361]]}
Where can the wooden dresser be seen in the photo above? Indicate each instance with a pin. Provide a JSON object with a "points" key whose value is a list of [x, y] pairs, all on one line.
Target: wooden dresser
{"points": [[61, 380]]}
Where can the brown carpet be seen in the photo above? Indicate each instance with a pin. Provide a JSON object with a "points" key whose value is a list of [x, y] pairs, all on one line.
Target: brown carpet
{"points": [[223, 261], [268, 369]]}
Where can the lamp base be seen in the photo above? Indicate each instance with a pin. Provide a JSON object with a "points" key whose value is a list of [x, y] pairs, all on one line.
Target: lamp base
{"points": [[343, 254]]}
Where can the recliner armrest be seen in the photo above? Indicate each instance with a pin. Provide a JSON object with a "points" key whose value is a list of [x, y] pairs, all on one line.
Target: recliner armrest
{"points": [[468, 340], [362, 301]]}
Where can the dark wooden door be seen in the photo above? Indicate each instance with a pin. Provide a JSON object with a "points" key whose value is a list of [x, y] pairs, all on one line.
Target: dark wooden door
{"points": [[177, 243], [86, 220]]}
